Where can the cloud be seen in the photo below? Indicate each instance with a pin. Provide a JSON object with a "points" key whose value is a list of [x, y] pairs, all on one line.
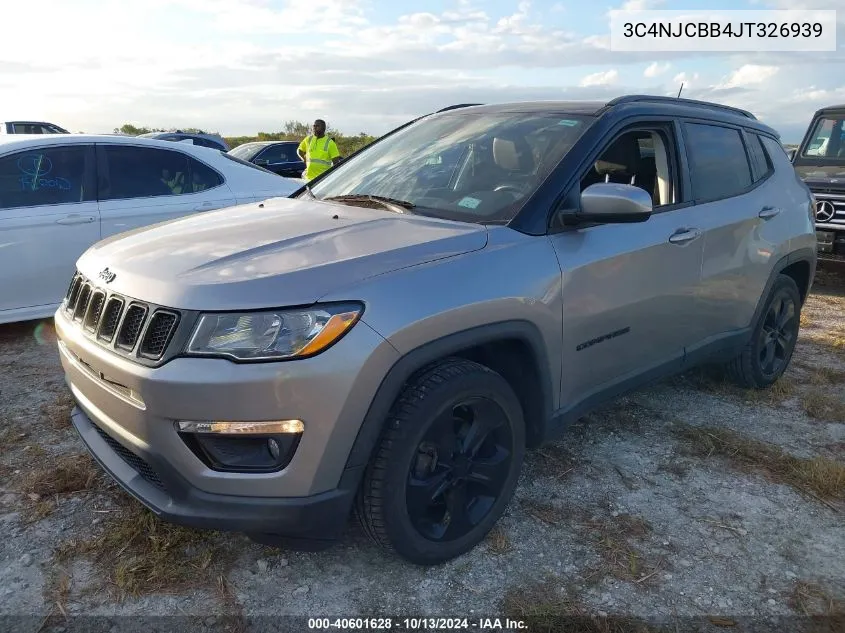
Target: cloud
{"points": [[749, 74], [655, 69], [686, 79], [641, 5], [248, 65], [604, 78]]}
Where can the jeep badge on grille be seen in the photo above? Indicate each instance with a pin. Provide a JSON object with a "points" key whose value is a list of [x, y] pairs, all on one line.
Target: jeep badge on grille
{"points": [[107, 275]]}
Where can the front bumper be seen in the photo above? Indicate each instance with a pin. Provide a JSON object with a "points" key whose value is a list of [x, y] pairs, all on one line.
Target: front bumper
{"points": [[155, 483], [126, 415], [831, 242]]}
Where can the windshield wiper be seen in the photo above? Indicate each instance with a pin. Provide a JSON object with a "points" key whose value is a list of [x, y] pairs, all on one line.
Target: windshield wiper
{"points": [[383, 200]]}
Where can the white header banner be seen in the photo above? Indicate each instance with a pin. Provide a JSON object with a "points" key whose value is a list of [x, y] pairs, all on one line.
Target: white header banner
{"points": [[723, 31]]}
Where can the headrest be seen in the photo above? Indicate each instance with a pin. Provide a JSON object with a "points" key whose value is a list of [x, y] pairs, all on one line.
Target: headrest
{"points": [[512, 154], [505, 154], [621, 157]]}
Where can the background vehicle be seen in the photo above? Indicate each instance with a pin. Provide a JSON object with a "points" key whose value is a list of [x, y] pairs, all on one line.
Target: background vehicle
{"points": [[61, 193], [820, 162], [280, 157], [394, 337], [30, 127], [214, 141]]}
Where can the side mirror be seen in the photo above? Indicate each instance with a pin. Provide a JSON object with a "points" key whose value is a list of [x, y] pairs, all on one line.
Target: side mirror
{"points": [[607, 202], [791, 153]]}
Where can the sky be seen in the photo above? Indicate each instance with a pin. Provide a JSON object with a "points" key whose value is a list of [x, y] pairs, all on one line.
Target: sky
{"points": [[242, 66]]}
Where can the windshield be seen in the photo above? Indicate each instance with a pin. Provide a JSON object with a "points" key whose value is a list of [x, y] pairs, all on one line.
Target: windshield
{"points": [[245, 151], [474, 167], [827, 141]]}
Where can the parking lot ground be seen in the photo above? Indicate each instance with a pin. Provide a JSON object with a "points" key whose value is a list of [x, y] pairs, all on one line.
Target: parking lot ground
{"points": [[688, 499]]}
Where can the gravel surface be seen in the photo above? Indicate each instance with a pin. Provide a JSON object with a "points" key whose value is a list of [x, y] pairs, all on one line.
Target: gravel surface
{"points": [[687, 499]]}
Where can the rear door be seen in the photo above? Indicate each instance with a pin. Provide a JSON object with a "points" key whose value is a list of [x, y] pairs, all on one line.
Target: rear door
{"points": [[48, 218], [740, 214], [140, 186]]}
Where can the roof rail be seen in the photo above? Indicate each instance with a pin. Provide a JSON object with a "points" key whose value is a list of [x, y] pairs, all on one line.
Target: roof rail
{"points": [[660, 99], [458, 105]]}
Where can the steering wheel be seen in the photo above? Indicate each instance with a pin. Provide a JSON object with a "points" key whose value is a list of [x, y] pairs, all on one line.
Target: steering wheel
{"points": [[515, 190]]}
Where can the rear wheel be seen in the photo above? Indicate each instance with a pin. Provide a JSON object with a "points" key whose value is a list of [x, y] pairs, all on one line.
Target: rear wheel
{"points": [[767, 355], [447, 463]]}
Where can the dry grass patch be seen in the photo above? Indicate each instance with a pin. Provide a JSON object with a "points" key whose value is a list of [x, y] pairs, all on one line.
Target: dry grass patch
{"points": [[65, 475], [612, 536], [713, 381], [554, 461], [811, 599], [138, 553], [498, 541], [824, 405], [545, 607], [614, 539], [826, 376], [546, 512], [821, 478], [57, 413]]}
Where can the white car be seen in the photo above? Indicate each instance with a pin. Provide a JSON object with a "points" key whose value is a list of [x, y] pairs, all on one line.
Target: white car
{"points": [[61, 193]]}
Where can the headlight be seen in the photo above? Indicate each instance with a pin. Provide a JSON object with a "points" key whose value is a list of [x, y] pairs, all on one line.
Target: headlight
{"points": [[272, 334]]}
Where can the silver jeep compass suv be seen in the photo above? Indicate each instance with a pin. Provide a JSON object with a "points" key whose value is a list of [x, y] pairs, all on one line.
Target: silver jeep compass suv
{"points": [[389, 340]]}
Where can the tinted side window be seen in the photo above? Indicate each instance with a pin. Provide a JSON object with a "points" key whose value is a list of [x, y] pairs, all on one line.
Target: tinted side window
{"points": [[775, 151], [205, 142], [717, 160], [760, 159], [54, 175], [203, 177], [279, 154], [141, 172], [28, 128]]}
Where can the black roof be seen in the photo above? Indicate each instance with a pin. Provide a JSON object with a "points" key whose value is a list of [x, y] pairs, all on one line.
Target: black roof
{"points": [[831, 108], [632, 105]]}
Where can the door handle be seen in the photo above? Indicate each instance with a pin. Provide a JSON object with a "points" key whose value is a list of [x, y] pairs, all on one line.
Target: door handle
{"points": [[205, 206], [76, 219], [682, 236], [767, 213]]}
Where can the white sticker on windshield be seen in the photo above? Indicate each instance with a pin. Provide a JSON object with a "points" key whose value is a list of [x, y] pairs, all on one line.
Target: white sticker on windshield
{"points": [[468, 202], [568, 122]]}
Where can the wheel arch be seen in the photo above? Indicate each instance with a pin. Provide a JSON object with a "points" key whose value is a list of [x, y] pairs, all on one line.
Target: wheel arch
{"points": [[800, 265], [512, 348]]}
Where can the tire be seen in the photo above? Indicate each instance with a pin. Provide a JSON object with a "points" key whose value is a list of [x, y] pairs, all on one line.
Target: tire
{"points": [[774, 330], [416, 499]]}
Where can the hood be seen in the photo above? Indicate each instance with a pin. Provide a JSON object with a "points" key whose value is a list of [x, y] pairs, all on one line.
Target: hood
{"points": [[822, 175], [290, 252]]}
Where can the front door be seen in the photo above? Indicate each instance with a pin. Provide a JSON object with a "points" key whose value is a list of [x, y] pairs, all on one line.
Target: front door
{"points": [[48, 218], [629, 289]]}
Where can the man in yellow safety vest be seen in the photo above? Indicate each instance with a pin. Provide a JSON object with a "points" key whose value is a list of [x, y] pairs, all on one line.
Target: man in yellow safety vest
{"points": [[318, 151]]}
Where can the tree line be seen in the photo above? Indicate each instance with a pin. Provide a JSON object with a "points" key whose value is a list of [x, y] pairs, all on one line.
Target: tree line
{"points": [[292, 131]]}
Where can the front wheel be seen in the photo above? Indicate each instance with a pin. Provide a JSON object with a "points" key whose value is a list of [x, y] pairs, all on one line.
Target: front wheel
{"points": [[766, 356], [447, 464]]}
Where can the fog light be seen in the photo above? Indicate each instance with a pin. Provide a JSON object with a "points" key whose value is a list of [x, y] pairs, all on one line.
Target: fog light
{"points": [[273, 445], [269, 427], [265, 446]]}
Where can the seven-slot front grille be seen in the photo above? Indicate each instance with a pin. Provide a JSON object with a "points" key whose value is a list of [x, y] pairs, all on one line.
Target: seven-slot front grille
{"points": [[161, 327], [121, 323]]}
